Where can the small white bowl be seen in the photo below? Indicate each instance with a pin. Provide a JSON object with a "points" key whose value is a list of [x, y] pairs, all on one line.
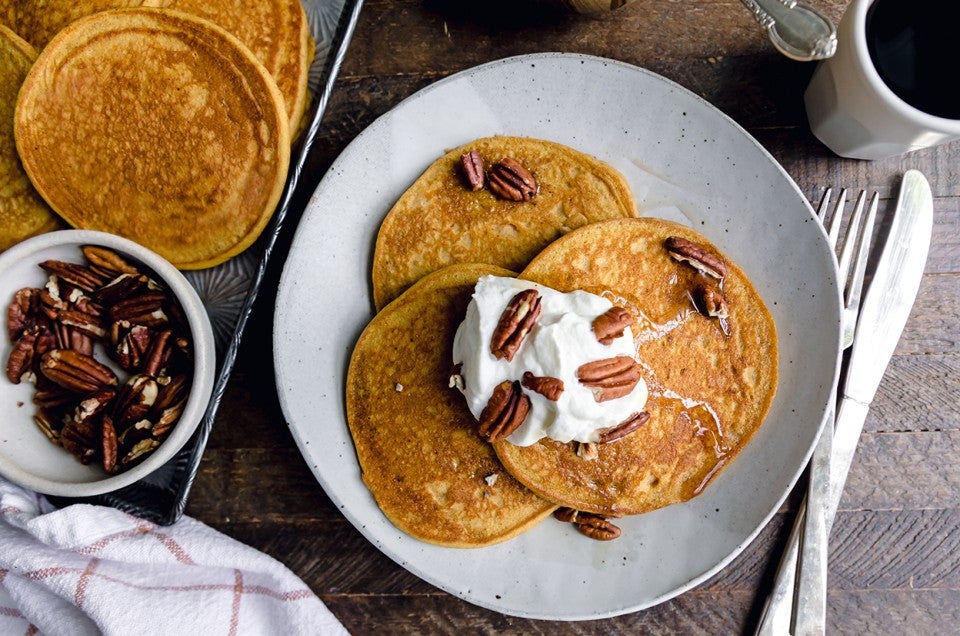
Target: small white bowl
{"points": [[27, 457]]}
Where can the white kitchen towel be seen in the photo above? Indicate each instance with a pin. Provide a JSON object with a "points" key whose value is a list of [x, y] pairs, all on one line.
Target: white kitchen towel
{"points": [[90, 569]]}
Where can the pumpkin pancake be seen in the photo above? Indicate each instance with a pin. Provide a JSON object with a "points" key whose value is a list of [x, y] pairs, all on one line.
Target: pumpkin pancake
{"points": [[438, 221], [427, 469], [8, 15], [709, 391], [275, 31], [23, 213], [158, 126]]}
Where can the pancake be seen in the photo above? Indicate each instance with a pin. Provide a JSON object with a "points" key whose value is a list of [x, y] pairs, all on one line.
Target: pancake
{"points": [[439, 222], [8, 15], [157, 126], [275, 31], [427, 469], [709, 392], [23, 213]]}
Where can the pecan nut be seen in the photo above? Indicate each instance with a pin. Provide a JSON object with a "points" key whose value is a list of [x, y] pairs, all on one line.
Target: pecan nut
{"points": [[21, 313], [510, 180], [76, 371], [108, 442], [515, 322], [79, 276], [610, 325], [624, 428], [143, 309], [696, 255], [592, 525], [548, 387], [710, 302], [21, 357], [504, 412], [596, 527], [471, 166], [107, 260], [610, 378]]}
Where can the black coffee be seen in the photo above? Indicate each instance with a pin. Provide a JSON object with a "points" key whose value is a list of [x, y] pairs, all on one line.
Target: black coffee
{"points": [[915, 48]]}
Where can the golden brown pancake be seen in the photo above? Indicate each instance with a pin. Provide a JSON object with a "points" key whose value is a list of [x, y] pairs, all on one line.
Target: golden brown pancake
{"points": [[157, 126], [23, 212], [8, 15], [439, 222], [39, 20], [275, 31], [709, 392], [427, 469]]}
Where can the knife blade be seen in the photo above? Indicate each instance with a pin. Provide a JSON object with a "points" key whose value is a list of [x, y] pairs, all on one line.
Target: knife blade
{"points": [[884, 312]]}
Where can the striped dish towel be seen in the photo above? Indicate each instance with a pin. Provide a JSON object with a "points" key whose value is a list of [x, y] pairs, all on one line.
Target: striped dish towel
{"points": [[93, 569]]}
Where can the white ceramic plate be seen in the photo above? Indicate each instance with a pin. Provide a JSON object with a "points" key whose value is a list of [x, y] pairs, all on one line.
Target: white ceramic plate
{"points": [[685, 161]]}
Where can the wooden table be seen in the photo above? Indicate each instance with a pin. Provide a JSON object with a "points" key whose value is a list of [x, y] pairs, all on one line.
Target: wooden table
{"points": [[895, 548]]}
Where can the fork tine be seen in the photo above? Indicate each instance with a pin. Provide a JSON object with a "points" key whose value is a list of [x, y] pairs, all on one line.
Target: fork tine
{"points": [[833, 232], [824, 204], [863, 251], [850, 241]]}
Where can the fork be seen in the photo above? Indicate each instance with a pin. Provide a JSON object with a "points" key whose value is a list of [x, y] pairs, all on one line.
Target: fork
{"points": [[801, 577]]}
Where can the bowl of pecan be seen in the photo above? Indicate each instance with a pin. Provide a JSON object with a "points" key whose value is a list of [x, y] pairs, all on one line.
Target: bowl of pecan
{"points": [[109, 363]]}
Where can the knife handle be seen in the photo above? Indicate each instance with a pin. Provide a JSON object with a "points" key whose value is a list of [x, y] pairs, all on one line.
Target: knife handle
{"points": [[777, 615]]}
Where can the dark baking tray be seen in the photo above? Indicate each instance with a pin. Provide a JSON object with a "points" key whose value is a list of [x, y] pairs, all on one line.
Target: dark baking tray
{"points": [[229, 290]]}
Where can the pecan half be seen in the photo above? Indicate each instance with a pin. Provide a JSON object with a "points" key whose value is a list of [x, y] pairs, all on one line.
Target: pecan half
{"points": [[471, 166], [509, 180], [710, 302], [609, 325], [22, 311], [135, 399], [624, 428], [132, 347], [610, 378], [45, 423], [76, 371], [143, 309], [107, 259], [139, 451], [21, 357], [78, 445], [123, 286], [695, 255], [596, 527], [76, 275], [515, 322], [504, 412], [592, 525], [108, 442], [548, 387]]}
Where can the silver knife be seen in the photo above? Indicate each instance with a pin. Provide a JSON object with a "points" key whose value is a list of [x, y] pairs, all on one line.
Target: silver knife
{"points": [[886, 307]]}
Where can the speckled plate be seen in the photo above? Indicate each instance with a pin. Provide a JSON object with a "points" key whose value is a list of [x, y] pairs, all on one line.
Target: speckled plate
{"points": [[686, 161]]}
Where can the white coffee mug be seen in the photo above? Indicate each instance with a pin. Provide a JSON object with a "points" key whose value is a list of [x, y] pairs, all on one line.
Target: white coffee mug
{"points": [[855, 113]]}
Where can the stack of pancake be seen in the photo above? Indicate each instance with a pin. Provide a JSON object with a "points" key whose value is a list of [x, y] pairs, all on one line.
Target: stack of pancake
{"points": [[169, 123], [711, 381]]}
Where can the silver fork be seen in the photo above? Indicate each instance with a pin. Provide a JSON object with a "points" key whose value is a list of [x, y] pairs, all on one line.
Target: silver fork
{"points": [[797, 604]]}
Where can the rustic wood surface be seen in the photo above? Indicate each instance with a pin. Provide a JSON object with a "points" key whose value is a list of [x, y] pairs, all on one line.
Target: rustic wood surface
{"points": [[895, 547]]}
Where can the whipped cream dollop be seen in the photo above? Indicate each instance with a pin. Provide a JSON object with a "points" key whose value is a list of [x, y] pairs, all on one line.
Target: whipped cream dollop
{"points": [[558, 344]]}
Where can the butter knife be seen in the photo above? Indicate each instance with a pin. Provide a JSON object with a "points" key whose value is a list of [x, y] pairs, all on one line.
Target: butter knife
{"points": [[886, 307]]}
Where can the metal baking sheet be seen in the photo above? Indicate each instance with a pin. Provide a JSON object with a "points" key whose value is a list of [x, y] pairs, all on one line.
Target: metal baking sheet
{"points": [[229, 290]]}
